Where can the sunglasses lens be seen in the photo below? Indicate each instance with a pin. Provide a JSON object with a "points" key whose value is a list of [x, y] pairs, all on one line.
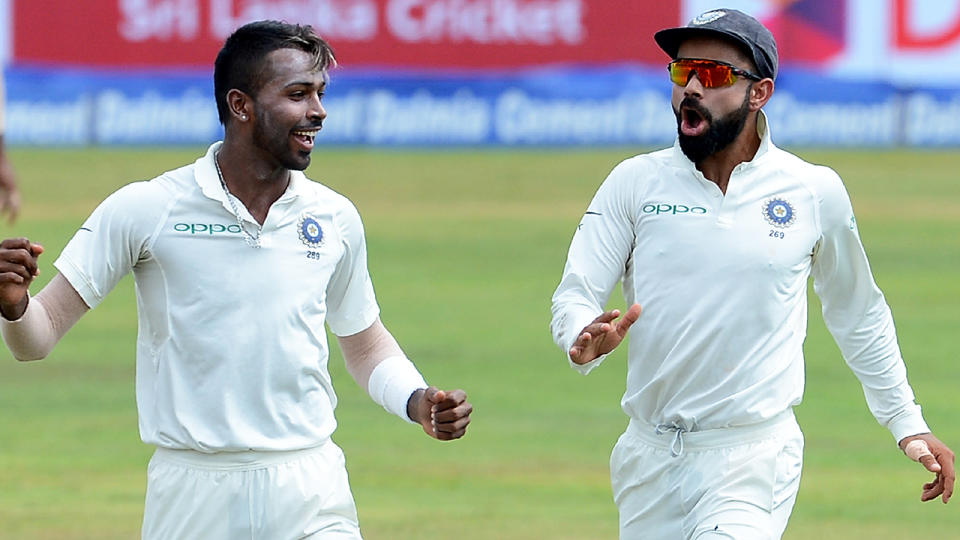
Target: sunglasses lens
{"points": [[680, 73], [718, 75], [710, 74]]}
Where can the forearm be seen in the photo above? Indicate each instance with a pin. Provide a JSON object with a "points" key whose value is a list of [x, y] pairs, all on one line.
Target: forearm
{"points": [[44, 322], [364, 351], [32, 336], [378, 364]]}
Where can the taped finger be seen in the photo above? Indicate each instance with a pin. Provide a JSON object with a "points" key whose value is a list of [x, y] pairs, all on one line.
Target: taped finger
{"points": [[917, 449]]}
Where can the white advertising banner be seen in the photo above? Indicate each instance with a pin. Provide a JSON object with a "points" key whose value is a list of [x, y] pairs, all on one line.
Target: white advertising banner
{"points": [[905, 42], [910, 43]]}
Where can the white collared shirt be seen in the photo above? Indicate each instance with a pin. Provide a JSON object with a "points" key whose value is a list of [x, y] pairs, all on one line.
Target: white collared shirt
{"points": [[232, 350], [722, 280]]}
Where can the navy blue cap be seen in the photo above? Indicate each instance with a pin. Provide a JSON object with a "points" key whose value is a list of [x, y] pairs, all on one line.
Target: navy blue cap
{"points": [[729, 24]]}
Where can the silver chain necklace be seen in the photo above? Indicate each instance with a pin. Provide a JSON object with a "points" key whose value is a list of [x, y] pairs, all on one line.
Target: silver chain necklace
{"points": [[253, 240]]}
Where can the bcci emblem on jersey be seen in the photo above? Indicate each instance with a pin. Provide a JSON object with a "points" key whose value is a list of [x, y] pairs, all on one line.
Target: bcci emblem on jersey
{"points": [[310, 232], [779, 213]]}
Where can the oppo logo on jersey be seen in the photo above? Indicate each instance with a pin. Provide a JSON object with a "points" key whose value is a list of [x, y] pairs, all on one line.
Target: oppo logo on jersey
{"points": [[664, 208], [206, 228]]}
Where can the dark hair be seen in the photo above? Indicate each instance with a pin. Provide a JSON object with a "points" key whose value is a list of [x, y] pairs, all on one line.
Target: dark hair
{"points": [[240, 62]]}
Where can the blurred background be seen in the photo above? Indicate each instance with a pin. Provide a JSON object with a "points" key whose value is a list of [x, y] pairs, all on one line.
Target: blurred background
{"points": [[855, 73], [471, 134]]}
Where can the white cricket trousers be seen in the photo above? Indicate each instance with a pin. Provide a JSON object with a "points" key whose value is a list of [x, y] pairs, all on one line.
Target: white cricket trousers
{"points": [[733, 483], [249, 496]]}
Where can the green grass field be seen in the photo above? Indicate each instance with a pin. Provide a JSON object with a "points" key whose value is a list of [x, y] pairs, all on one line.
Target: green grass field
{"points": [[466, 248]]}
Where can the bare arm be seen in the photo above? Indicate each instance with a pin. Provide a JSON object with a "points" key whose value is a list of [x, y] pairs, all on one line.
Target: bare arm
{"points": [[44, 321], [376, 362], [362, 352]]}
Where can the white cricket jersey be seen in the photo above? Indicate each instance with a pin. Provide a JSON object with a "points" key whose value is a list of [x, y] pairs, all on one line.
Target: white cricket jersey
{"points": [[722, 280], [231, 349]]}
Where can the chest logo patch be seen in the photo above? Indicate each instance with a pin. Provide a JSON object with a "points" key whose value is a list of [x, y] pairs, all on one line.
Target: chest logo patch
{"points": [[779, 213], [311, 234]]}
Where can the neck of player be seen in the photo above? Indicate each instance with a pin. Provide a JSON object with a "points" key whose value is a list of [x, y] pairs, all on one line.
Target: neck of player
{"points": [[719, 166], [251, 177]]}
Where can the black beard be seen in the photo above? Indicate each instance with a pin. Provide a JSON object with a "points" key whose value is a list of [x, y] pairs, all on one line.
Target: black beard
{"points": [[275, 142], [718, 136]]}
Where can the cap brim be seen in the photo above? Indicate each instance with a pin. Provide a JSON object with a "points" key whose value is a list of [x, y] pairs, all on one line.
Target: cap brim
{"points": [[670, 39]]}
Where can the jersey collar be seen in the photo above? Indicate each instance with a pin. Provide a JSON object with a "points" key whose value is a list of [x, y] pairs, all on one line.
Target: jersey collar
{"points": [[763, 130], [205, 172]]}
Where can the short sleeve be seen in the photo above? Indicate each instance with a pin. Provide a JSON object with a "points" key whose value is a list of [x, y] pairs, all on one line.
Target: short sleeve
{"points": [[110, 242], [351, 303]]}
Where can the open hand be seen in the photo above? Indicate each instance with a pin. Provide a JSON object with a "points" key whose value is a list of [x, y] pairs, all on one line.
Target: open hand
{"points": [[603, 335]]}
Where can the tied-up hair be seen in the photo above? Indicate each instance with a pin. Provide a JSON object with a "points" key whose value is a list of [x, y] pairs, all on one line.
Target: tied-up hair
{"points": [[240, 63]]}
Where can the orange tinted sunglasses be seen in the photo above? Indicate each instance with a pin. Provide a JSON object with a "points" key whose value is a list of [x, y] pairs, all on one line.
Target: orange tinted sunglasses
{"points": [[711, 73]]}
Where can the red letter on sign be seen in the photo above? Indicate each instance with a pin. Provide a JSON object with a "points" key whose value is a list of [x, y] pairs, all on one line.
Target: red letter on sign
{"points": [[908, 39]]}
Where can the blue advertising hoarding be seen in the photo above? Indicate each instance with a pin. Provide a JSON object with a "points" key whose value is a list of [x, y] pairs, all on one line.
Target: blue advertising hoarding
{"points": [[619, 105]]}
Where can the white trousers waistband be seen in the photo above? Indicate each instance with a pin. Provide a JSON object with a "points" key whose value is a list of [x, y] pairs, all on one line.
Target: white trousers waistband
{"points": [[677, 439], [233, 461]]}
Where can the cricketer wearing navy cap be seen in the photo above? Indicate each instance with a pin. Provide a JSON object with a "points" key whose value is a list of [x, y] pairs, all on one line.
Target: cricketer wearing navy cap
{"points": [[717, 237]]}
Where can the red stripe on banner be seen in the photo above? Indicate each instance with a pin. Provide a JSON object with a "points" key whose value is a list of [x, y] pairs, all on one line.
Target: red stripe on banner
{"points": [[400, 33]]}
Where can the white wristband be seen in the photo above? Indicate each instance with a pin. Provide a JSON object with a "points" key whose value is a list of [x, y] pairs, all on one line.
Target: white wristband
{"points": [[392, 383]]}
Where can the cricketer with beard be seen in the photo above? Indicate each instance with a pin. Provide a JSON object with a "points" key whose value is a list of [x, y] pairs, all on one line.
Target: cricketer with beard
{"points": [[716, 238]]}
